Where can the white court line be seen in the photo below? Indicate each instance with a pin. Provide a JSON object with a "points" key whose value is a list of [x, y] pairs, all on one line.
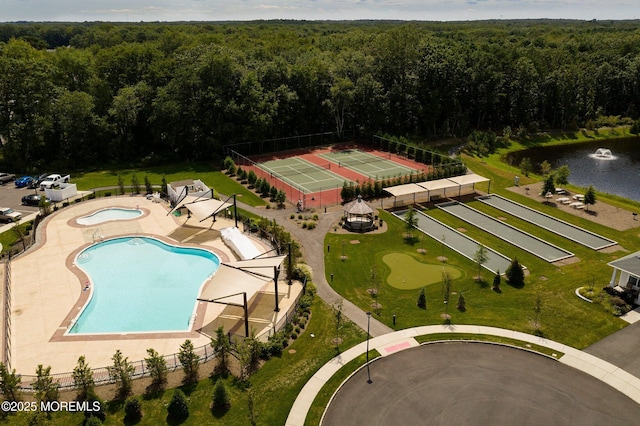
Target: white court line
{"points": [[302, 163]]}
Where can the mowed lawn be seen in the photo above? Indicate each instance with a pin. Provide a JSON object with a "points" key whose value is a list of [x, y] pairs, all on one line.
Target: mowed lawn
{"points": [[210, 175], [563, 317]]}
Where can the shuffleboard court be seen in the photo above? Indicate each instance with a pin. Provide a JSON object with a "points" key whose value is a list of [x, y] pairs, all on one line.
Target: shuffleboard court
{"points": [[508, 233], [557, 226], [369, 165], [304, 174], [457, 241]]}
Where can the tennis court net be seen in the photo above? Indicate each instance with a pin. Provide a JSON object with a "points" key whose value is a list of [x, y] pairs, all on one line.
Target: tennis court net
{"points": [[356, 161], [293, 170]]}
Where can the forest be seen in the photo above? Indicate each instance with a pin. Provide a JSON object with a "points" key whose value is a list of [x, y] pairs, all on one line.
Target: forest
{"points": [[77, 95]]}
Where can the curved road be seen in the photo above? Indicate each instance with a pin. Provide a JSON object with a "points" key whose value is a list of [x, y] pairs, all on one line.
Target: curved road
{"points": [[474, 383]]}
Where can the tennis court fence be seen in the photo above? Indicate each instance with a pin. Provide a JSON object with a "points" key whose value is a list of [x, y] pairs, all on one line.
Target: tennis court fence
{"points": [[277, 180]]}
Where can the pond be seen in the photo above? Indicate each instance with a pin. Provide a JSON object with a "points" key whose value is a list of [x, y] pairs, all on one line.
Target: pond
{"points": [[618, 173]]}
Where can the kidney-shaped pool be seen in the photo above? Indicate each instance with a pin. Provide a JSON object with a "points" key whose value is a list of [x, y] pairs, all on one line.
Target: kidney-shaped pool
{"points": [[141, 284], [107, 215]]}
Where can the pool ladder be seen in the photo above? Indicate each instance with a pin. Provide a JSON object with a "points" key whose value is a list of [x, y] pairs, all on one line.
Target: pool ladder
{"points": [[192, 319]]}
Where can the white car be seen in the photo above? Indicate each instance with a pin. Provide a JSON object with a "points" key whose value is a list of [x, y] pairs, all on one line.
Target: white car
{"points": [[9, 215]]}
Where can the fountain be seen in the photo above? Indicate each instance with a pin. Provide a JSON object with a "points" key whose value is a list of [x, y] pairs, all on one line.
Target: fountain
{"points": [[603, 153]]}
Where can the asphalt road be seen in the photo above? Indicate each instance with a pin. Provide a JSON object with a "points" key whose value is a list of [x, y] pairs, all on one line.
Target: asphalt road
{"points": [[476, 384], [10, 196]]}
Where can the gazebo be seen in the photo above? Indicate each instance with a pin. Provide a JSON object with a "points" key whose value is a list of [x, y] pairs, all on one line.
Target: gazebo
{"points": [[359, 216]]}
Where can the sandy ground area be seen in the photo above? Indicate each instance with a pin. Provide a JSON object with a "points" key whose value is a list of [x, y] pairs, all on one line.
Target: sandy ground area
{"points": [[602, 213]]}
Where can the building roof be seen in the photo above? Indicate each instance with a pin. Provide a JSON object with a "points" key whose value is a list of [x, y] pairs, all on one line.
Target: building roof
{"points": [[629, 264], [358, 207]]}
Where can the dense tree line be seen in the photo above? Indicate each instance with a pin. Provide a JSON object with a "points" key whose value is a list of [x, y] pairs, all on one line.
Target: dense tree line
{"points": [[74, 95]]}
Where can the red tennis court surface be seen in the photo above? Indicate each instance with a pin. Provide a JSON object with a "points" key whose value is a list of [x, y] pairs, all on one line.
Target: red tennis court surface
{"points": [[329, 196]]}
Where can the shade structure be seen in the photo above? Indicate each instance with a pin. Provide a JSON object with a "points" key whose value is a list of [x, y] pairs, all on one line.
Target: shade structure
{"points": [[202, 208], [233, 279], [468, 179], [406, 189], [435, 185]]}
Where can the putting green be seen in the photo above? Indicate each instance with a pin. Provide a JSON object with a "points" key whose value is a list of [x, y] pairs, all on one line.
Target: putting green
{"points": [[408, 274]]}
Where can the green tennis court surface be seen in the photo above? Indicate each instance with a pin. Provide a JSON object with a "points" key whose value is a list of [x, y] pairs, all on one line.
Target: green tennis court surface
{"points": [[366, 164], [303, 174]]}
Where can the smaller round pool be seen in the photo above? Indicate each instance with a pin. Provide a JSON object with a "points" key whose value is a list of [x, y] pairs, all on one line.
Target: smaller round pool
{"points": [[106, 215]]}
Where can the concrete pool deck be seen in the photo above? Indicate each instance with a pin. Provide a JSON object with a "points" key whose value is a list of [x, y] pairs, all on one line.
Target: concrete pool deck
{"points": [[46, 288]]}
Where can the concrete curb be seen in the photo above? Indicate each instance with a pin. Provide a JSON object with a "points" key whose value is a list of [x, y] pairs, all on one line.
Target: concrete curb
{"points": [[404, 339]]}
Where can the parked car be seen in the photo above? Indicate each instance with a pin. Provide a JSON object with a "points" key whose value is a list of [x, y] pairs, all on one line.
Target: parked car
{"points": [[24, 181], [33, 199], [9, 215], [7, 177], [37, 180], [53, 180]]}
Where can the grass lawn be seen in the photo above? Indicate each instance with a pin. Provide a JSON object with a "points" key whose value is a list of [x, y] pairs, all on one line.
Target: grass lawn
{"points": [[563, 317], [409, 273], [273, 388], [175, 172]]}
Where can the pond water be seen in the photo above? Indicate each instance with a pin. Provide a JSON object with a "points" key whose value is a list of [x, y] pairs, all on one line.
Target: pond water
{"points": [[618, 173]]}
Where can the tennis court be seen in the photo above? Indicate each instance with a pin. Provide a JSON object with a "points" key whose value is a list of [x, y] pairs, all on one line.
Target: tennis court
{"points": [[508, 233], [369, 165], [303, 174], [457, 241], [557, 226]]}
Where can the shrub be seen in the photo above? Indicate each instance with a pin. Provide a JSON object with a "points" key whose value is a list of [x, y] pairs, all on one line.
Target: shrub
{"points": [[294, 336], [107, 194], [92, 196], [292, 216], [422, 299], [221, 395], [496, 281], [304, 225], [93, 421], [311, 225], [462, 304], [515, 274], [178, 407], [132, 408]]}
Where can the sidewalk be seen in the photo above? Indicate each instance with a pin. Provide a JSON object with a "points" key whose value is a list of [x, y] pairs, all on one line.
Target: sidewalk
{"points": [[312, 242], [405, 339]]}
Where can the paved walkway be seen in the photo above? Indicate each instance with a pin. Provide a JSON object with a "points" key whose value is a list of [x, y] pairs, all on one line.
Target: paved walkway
{"points": [[386, 341], [312, 242], [404, 339]]}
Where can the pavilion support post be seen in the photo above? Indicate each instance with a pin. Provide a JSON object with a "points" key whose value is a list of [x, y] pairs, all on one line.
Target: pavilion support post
{"points": [[290, 265], [246, 314], [276, 273], [235, 209]]}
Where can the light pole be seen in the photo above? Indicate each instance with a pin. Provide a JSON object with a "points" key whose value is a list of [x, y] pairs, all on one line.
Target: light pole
{"points": [[368, 372]]}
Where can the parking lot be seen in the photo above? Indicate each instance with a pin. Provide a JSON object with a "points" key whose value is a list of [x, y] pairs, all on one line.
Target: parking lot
{"points": [[10, 196]]}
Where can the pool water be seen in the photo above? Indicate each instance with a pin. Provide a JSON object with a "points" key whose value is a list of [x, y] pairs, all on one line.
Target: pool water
{"points": [[106, 215], [141, 284]]}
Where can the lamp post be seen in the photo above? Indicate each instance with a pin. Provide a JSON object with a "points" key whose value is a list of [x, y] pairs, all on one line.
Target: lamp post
{"points": [[368, 323]]}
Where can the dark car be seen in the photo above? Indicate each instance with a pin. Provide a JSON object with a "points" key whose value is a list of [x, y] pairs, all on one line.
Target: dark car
{"points": [[24, 181], [33, 199], [37, 180]]}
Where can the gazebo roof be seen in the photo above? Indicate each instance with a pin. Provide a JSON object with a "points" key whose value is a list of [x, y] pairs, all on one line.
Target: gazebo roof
{"points": [[358, 207]]}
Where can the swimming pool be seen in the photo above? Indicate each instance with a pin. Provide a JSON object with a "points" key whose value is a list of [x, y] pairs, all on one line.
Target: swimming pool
{"points": [[140, 284], [106, 215]]}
